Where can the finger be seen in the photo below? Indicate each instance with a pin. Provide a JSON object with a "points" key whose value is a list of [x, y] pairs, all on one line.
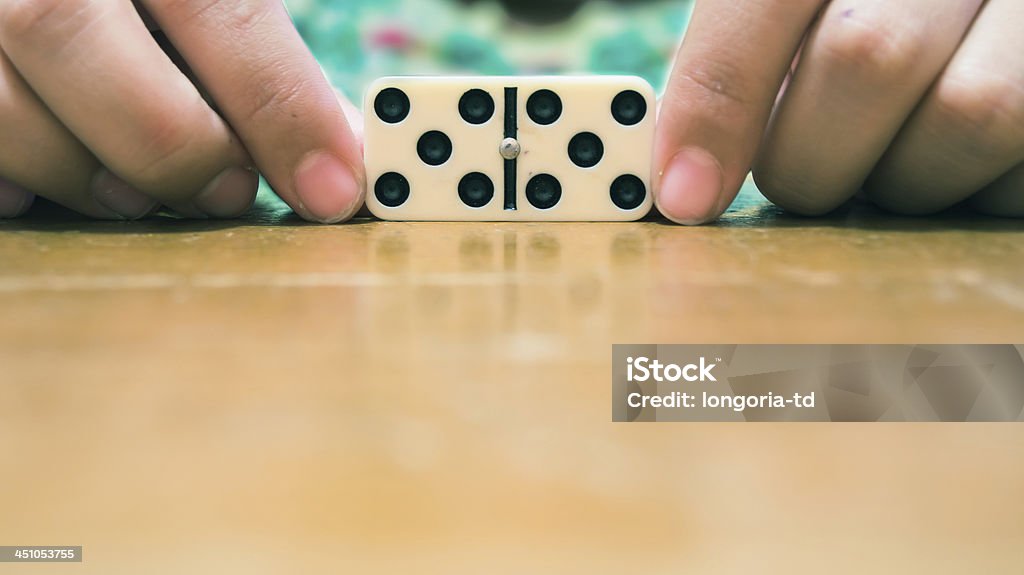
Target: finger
{"points": [[39, 154], [125, 100], [256, 67], [1004, 197], [728, 71], [969, 130], [864, 67], [14, 200], [353, 117]]}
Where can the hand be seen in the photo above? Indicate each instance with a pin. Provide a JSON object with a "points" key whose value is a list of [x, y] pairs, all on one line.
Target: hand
{"points": [[917, 102], [96, 116]]}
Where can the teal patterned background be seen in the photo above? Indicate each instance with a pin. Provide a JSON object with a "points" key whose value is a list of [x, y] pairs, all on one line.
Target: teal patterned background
{"points": [[357, 41]]}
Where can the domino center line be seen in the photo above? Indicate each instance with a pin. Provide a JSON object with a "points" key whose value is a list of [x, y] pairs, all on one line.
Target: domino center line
{"points": [[511, 131]]}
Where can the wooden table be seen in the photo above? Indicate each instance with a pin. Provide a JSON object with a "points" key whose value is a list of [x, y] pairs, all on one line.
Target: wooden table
{"points": [[267, 396]]}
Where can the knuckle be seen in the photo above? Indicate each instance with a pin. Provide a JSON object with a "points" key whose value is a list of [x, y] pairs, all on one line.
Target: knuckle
{"points": [[793, 193], [884, 51], [183, 11], [161, 159], [982, 107], [183, 148], [26, 18], [716, 80], [244, 17], [273, 95], [230, 15]]}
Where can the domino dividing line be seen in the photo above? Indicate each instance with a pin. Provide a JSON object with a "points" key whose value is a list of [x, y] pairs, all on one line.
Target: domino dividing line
{"points": [[511, 131]]}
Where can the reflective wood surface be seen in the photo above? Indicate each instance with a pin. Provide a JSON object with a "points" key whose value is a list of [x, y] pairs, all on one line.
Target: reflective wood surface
{"points": [[268, 396]]}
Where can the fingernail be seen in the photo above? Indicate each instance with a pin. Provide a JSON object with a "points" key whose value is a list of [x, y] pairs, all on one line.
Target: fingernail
{"points": [[14, 201], [230, 194], [327, 188], [690, 187], [119, 197]]}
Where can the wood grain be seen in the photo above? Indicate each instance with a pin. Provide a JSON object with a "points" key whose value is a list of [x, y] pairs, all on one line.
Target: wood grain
{"points": [[267, 396]]}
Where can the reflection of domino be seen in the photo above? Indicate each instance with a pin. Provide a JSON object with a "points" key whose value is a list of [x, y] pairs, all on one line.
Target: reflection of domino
{"points": [[509, 148]]}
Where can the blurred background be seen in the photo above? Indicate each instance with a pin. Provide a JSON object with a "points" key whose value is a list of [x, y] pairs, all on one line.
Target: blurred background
{"points": [[357, 41]]}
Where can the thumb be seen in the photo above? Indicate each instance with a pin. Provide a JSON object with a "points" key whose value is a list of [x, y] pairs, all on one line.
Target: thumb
{"points": [[353, 116], [719, 97]]}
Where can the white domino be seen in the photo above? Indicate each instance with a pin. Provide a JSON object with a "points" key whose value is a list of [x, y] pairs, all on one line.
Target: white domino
{"points": [[509, 148]]}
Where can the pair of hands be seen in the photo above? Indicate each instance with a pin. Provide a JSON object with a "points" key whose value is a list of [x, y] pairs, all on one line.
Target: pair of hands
{"points": [[919, 103]]}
